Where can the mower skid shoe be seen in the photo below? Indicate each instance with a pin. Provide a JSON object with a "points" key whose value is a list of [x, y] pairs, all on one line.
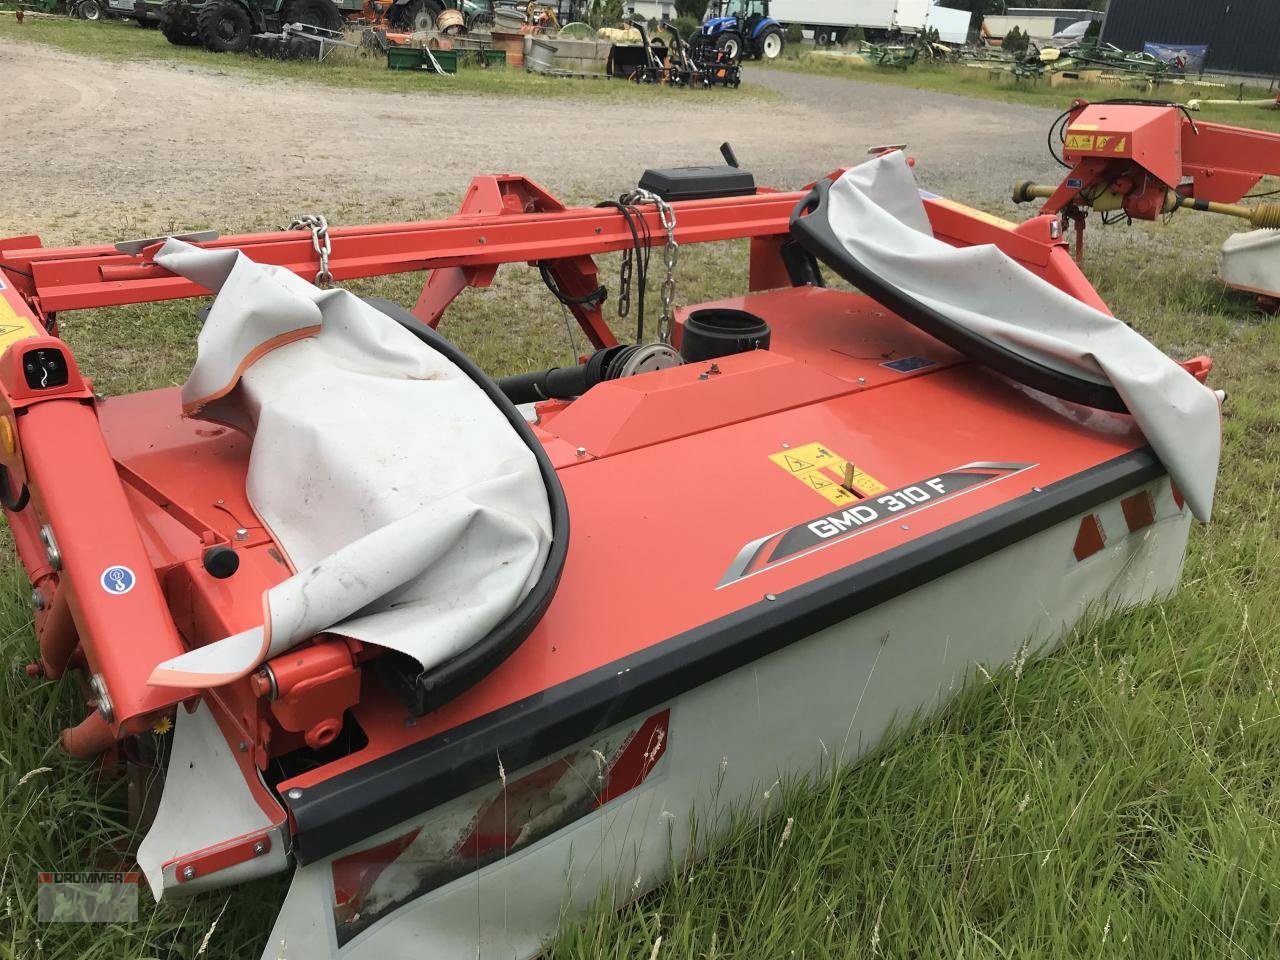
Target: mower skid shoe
{"points": [[210, 827]]}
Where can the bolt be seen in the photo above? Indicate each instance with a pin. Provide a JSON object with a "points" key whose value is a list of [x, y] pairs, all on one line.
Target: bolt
{"points": [[581, 451], [242, 533], [770, 596], [410, 721], [98, 687], [294, 794], [244, 747], [51, 552], [715, 368], [905, 527], [37, 599], [260, 848], [1037, 490], [704, 376], [862, 379], [483, 241], [188, 873]]}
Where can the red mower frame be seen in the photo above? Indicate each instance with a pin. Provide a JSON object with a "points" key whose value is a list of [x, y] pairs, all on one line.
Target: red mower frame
{"points": [[71, 504]]}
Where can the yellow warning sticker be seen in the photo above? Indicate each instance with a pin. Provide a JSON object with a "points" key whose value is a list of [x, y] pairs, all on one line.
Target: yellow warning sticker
{"points": [[1122, 144], [13, 327], [1080, 141], [824, 471]]}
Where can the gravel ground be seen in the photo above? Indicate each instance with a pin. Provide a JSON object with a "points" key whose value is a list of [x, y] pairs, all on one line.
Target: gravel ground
{"points": [[96, 151]]}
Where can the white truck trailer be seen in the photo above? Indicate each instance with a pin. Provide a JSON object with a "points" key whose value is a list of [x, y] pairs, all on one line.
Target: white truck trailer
{"points": [[831, 20]]}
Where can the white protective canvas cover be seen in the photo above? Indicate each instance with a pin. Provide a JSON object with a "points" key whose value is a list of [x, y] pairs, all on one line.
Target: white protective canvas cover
{"points": [[411, 511], [876, 212], [1251, 261]]}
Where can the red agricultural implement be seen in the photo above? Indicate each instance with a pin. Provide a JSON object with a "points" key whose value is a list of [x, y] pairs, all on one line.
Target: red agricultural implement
{"points": [[1138, 160], [464, 652]]}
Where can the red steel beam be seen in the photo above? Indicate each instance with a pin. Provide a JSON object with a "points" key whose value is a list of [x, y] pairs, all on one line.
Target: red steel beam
{"points": [[78, 278]]}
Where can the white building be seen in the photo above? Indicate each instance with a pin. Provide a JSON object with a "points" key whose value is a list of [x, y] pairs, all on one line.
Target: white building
{"points": [[651, 9]]}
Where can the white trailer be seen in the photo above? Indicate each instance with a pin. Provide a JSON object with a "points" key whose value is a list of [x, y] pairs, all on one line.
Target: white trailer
{"points": [[827, 17], [912, 15], [838, 14], [952, 25]]}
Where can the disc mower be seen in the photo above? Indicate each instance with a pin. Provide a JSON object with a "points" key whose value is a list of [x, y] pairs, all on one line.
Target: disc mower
{"points": [[1143, 160], [465, 652]]}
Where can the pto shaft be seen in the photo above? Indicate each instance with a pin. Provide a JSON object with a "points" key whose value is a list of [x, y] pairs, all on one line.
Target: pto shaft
{"points": [[1264, 215]]}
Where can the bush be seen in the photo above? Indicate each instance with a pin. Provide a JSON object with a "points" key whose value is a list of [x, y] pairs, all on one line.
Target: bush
{"points": [[1016, 42], [794, 35], [688, 26], [605, 13]]}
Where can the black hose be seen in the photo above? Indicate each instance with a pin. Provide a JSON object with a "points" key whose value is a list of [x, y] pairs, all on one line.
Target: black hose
{"points": [[1061, 139], [640, 254], [562, 383], [594, 298]]}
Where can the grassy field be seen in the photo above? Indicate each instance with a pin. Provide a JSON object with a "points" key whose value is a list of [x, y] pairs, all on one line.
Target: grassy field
{"points": [[1117, 799], [124, 41], [992, 85]]}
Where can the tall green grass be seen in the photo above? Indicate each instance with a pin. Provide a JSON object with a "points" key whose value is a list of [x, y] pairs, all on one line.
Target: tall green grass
{"points": [[985, 84]]}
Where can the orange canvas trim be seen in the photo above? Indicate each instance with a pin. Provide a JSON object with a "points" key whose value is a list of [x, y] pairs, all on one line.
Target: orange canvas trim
{"points": [[257, 353]]}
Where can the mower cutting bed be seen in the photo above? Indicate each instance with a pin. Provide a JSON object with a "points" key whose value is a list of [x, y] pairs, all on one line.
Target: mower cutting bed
{"points": [[768, 538]]}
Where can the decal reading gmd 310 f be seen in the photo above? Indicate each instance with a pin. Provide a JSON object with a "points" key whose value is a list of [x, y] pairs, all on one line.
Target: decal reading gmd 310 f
{"points": [[776, 548]]}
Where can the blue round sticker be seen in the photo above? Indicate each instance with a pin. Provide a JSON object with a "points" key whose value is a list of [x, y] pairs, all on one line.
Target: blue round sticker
{"points": [[118, 580]]}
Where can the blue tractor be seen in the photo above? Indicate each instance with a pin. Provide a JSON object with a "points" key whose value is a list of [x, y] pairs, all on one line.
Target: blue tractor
{"points": [[739, 29]]}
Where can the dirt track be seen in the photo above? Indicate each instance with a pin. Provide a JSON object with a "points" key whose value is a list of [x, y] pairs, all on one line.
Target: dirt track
{"points": [[95, 151]]}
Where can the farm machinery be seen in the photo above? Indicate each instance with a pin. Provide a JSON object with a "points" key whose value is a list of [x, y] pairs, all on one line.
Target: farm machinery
{"points": [[738, 29], [1141, 160], [343, 591], [674, 63], [230, 26]]}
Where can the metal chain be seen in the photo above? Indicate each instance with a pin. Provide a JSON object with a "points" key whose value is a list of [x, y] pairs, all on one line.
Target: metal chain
{"points": [[624, 282], [670, 254], [320, 242]]}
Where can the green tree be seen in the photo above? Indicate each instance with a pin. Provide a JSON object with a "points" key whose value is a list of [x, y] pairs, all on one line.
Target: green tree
{"points": [[1015, 41], [605, 13], [694, 9], [687, 26]]}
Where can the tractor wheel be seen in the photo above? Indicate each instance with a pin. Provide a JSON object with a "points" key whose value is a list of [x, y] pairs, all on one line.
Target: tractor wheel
{"points": [[414, 16], [89, 10], [314, 13], [178, 25], [224, 26], [769, 46], [730, 44]]}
